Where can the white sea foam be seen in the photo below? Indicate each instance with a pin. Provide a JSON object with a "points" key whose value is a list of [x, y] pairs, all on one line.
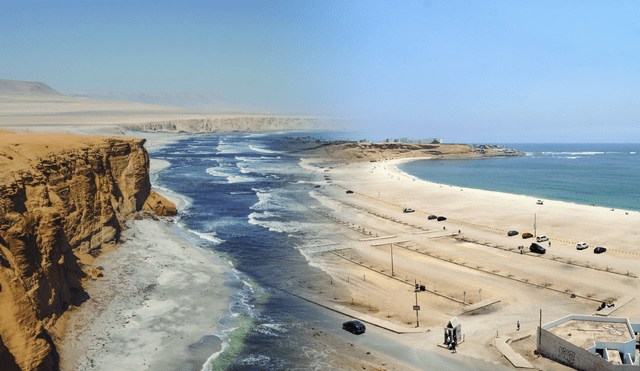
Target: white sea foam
{"points": [[255, 360], [262, 150], [210, 236], [585, 153], [231, 178]]}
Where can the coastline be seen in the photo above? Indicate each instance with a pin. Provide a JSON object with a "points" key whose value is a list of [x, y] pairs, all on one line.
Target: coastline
{"points": [[468, 252], [159, 301]]}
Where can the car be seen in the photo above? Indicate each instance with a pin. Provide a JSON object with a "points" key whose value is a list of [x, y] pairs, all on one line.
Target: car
{"points": [[441, 218], [599, 250], [542, 238], [355, 327], [408, 210], [318, 186], [349, 191], [582, 245], [527, 235], [431, 217], [512, 233], [537, 248], [539, 202]]}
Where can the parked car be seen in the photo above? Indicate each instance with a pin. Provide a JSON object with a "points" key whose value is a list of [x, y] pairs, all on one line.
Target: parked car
{"points": [[354, 326], [431, 217], [537, 248], [349, 191], [318, 186], [408, 210], [441, 218], [527, 235], [599, 250], [582, 245], [512, 233], [539, 202], [542, 238]]}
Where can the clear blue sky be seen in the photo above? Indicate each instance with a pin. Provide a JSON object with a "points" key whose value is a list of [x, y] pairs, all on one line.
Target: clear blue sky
{"points": [[464, 71]]}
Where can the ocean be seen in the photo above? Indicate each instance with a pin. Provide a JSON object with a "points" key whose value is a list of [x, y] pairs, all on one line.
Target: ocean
{"points": [[239, 199], [245, 197], [605, 175]]}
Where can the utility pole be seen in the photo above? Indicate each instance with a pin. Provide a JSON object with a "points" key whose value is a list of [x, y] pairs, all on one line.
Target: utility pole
{"points": [[417, 307], [391, 259], [539, 331]]}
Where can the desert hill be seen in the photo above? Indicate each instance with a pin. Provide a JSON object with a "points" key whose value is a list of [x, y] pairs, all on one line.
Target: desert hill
{"points": [[194, 100], [26, 88]]}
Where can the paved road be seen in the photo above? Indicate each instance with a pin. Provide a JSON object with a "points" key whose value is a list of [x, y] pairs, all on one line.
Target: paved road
{"points": [[381, 341]]}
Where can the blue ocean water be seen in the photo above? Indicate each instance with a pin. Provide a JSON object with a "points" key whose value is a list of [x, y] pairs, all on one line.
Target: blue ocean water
{"points": [[601, 174], [241, 194]]}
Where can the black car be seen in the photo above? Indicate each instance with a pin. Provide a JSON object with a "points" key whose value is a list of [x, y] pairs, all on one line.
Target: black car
{"points": [[431, 217], [441, 218], [349, 191], [512, 233], [355, 327], [537, 248], [599, 250]]}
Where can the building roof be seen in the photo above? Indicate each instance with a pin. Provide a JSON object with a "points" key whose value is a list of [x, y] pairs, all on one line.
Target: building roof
{"points": [[584, 333]]}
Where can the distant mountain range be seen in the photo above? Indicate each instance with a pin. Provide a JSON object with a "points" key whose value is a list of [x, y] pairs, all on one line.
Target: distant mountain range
{"points": [[25, 88], [204, 101]]}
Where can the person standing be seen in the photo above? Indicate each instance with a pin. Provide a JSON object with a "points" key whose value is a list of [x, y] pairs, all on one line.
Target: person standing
{"points": [[518, 326]]}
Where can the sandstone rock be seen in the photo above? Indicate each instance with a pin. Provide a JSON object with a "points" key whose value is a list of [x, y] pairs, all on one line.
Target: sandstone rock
{"points": [[159, 205], [62, 199]]}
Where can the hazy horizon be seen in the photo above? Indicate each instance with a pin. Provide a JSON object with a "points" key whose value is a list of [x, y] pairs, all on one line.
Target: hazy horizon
{"points": [[494, 72]]}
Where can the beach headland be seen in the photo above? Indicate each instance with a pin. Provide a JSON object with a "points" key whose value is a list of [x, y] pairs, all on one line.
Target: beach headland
{"points": [[348, 151]]}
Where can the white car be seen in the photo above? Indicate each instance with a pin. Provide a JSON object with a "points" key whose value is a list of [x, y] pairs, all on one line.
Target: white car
{"points": [[582, 245], [408, 210], [542, 238]]}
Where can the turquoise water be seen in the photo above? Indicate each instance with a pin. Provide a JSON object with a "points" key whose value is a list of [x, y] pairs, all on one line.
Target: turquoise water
{"points": [[601, 174]]}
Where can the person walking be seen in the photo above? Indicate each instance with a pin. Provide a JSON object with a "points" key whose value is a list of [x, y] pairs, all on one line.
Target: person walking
{"points": [[518, 326], [453, 347]]}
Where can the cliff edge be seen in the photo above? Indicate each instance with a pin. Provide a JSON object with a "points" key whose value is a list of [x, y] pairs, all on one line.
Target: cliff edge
{"points": [[63, 199]]}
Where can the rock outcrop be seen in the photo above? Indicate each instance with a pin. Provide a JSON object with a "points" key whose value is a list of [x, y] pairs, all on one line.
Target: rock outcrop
{"points": [[63, 198], [230, 124]]}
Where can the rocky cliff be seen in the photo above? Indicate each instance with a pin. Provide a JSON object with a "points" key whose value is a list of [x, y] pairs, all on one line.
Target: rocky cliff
{"points": [[230, 124], [63, 199]]}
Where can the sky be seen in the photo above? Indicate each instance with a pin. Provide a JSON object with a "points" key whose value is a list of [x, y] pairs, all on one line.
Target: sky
{"points": [[464, 71]]}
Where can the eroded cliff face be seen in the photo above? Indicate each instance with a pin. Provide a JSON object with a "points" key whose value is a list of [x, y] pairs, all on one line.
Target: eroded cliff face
{"points": [[231, 123], [63, 199]]}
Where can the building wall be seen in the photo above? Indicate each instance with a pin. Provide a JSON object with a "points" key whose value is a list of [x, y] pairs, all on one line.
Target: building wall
{"points": [[562, 351]]}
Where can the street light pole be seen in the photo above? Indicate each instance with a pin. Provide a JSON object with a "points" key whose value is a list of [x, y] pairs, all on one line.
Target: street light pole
{"points": [[417, 310], [391, 259]]}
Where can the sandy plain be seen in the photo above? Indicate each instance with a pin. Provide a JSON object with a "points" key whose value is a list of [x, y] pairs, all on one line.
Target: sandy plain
{"points": [[469, 257]]}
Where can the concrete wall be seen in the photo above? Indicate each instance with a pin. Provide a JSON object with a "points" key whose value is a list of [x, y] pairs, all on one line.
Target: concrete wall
{"points": [[562, 351]]}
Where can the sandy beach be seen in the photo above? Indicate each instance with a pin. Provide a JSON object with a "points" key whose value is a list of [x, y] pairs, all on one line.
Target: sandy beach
{"points": [[156, 306], [469, 257]]}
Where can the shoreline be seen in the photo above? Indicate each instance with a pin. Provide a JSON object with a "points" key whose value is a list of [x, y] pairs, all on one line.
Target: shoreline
{"points": [[543, 198], [481, 257], [159, 302]]}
